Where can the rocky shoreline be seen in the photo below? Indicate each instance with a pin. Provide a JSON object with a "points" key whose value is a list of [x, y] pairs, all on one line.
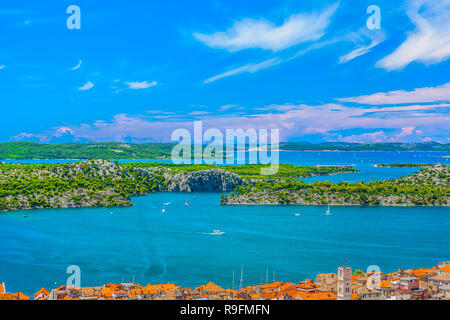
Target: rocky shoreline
{"points": [[101, 183]]}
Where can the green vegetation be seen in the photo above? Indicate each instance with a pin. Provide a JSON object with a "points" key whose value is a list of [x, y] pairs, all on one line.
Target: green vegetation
{"points": [[405, 165], [104, 183], [251, 171], [428, 187], [358, 272], [81, 184], [115, 150], [108, 150]]}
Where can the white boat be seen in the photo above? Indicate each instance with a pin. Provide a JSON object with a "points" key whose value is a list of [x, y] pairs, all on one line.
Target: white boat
{"points": [[217, 233], [328, 213], [186, 202], [163, 210], [167, 203], [297, 214]]}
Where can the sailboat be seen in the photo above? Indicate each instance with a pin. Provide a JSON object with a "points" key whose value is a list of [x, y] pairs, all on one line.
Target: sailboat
{"points": [[328, 213], [186, 202]]}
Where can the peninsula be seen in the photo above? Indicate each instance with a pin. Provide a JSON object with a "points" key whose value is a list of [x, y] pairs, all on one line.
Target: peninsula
{"points": [[96, 183]]}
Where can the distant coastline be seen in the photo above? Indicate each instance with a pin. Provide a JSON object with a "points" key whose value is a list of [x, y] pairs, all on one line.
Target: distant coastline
{"points": [[147, 151]]}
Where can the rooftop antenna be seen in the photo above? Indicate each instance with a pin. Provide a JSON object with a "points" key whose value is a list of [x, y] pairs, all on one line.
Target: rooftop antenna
{"points": [[242, 277]]}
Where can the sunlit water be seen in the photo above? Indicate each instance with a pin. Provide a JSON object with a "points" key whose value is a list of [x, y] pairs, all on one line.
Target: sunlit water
{"points": [[149, 246]]}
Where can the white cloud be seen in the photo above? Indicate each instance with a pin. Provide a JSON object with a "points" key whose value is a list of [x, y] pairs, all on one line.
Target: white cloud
{"points": [[255, 67], [198, 113], [329, 121], [251, 33], [248, 68], [136, 85], [77, 66], [420, 95], [429, 43], [88, 86], [228, 107], [366, 41]]}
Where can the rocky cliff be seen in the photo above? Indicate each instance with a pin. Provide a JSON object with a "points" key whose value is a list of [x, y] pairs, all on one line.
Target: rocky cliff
{"points": [[204, 181]]}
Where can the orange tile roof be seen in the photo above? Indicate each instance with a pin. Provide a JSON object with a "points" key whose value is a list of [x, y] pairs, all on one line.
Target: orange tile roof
{"points": [[2, 289], [273, 285], [14, 296], [42, 293], [210, 287], [384, 283], [445, 268], [287, 285], [317, 296]]}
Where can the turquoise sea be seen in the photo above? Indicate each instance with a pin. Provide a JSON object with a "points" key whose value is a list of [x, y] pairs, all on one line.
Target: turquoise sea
{"points": [[143, 244]]}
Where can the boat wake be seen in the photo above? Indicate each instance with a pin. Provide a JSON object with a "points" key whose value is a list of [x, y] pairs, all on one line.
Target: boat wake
{"points": [[215, 233]]}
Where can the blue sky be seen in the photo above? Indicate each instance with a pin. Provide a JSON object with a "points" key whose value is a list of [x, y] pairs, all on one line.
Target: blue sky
{"points": [[137, 70]]}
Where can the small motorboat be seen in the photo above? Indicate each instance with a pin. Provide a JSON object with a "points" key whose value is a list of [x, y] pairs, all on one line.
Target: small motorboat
{"points": [[163, 210], [217, 233], [297, 214], [186, 202]]}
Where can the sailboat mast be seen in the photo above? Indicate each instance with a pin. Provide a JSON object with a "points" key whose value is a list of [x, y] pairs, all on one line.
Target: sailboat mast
{"points": [[242, 278], [232, 283]]}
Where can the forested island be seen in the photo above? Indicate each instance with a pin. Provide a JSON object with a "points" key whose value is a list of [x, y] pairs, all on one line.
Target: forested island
{"points": [[104, 183], [117, 150], [428, 187], [404, 165]]}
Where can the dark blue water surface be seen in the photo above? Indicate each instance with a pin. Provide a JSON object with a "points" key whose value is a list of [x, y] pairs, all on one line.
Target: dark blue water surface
{"points": [[142, 242]]}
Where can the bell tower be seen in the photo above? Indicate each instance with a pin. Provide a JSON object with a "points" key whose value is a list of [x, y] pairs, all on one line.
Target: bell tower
{"points": [[344, 283]]}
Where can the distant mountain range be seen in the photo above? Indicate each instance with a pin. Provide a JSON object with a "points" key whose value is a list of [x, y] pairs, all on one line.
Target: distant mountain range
{"points": [[117, 150]]}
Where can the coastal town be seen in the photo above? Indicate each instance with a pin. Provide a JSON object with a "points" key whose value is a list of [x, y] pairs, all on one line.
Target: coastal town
{"points": [[412, 284]]}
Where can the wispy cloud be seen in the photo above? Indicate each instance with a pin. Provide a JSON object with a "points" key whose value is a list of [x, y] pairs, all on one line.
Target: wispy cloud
{"points": [[429, 43], [88, 86], [419, 95], [263, 34], [365, 41], [228, 107], [198, 113], [136, 85], [255, 67], [2, 66], [77, 66], [248, 68]]}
